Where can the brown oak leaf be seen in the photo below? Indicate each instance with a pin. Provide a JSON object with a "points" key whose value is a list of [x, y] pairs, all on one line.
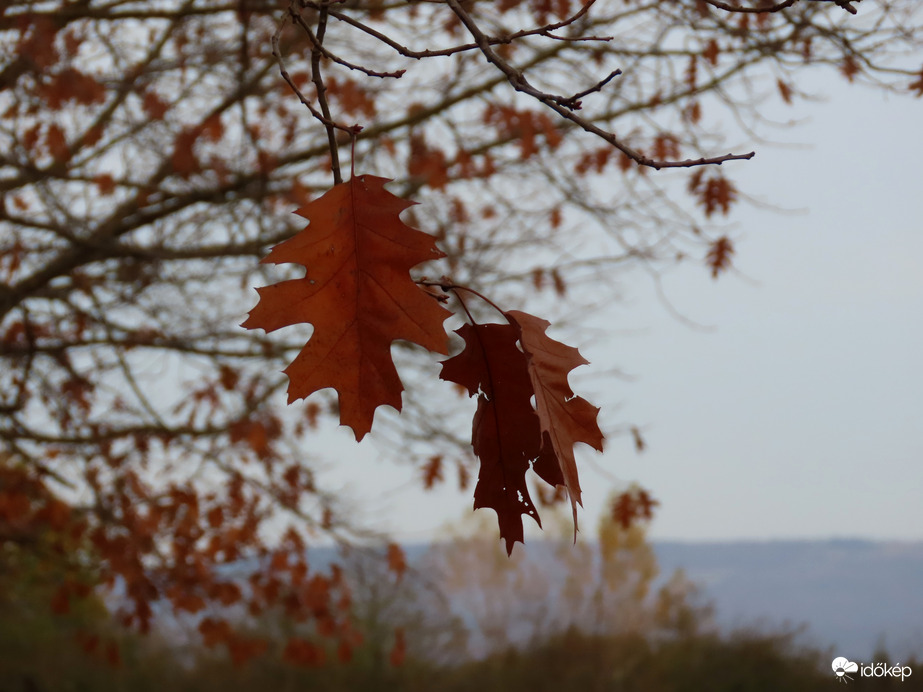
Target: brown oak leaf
{"points": [[506, 436], [397, 560], [633, 505], [357, 293], [565, 418], [917, 86], [719, 254]]}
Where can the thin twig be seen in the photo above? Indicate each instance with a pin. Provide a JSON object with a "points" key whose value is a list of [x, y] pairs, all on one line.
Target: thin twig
{"points": [[446, 284], [316, 42], [777, 7], [559, 104], [544, 31], [320, 87], [573, 102], [323, 116]]}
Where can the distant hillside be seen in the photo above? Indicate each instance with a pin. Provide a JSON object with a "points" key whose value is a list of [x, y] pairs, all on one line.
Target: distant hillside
{"points": [[852, 594]]}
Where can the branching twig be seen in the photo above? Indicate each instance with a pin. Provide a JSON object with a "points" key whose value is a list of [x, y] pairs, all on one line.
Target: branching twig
{"points": [[560, 104], [573, 102], [324, 114], [316, 43], [845, 4], [321, 88], [447, 285], [544, 31]]}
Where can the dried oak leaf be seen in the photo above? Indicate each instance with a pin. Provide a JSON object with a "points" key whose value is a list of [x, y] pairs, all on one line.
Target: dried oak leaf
{"points": [[357, 293], [717, 193], [506, 435], [719, 254], [631, 506], [397, 560], [917, 86], [565, 418], [432, 472]]}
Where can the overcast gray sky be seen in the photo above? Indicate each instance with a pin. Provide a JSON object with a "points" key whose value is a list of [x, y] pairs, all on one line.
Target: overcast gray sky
{"points": [[801, 413]]}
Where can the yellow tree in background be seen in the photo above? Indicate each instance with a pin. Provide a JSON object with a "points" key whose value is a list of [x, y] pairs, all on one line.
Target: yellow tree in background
{"points": [[610, 586]]}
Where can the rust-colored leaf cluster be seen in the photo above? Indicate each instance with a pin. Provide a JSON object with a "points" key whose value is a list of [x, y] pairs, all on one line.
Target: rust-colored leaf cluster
{"points": [[713, 193], [632, 506], [358, 294], [526, 126]]}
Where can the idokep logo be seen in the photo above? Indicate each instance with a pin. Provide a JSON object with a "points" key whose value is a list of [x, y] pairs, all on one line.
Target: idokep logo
{"points": [[843, 666]]}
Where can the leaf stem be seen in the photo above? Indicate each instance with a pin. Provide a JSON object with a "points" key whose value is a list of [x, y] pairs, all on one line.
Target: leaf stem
{"points": [[320, 87], [447, 285]]}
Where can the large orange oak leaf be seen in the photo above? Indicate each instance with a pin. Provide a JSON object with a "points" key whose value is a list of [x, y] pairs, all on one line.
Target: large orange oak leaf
{"points": [[565, 418], [358, 295], [505, 435]]}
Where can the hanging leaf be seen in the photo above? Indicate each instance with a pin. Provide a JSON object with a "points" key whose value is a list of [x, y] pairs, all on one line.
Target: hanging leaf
{"points": [[711, 53], [565, 418], [506, 436], [358, 295], [719, 256], [432, 472], [632, 506], [507, 366], [785, 91], [716, 193], [917, 86], [397, 560]]}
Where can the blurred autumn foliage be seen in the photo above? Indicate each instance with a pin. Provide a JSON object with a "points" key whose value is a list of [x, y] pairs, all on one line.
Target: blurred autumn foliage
{"points": [[151, 153], [461, 616]]}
